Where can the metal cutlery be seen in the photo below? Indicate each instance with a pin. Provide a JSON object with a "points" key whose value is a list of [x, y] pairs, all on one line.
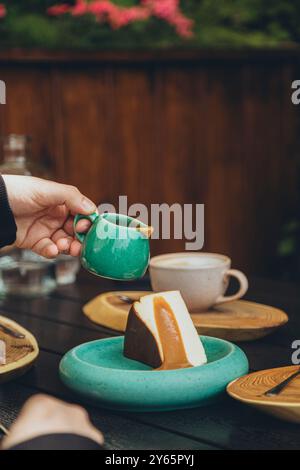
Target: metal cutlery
{"points": [[274, 391], [8, 331], [4, 430], [126, 299]]}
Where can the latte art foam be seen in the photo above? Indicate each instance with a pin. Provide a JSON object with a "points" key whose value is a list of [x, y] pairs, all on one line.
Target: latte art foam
{"points": [[187, 262]]}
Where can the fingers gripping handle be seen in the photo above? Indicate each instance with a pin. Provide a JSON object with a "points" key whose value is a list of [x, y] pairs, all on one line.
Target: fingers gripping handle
{"points": [[242, 290], [91, 217]]}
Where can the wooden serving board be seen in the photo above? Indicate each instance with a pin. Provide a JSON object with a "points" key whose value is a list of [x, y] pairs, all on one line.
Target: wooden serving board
{"points": [[20, 353], [250, 389], [235, 321], [240, 320], [109, 311]]}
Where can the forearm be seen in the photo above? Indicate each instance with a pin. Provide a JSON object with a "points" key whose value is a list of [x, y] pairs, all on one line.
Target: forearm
{"points": [[58, 442], [8, 228], [48, 423]]}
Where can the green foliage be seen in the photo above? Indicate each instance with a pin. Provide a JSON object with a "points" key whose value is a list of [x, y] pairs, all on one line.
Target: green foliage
{"points": [[218, 23], [245, 22]]}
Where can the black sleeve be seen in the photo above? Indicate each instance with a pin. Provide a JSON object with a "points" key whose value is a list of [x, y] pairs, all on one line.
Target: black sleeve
{"points": [[8, 228], [58, 442]]}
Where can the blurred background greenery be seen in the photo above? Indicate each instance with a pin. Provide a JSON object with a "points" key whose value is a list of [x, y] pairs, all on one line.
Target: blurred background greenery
{"points": [[217, 23]]}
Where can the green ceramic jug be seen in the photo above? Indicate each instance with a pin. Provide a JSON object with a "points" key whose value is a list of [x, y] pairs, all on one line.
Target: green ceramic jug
{"points": [[116, 246]]}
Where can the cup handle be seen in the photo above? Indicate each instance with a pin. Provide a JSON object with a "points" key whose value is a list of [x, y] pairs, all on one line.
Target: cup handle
{"points": [[242, 290], [91, 217]]}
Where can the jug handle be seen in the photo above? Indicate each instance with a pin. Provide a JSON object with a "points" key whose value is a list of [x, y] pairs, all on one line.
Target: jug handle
{"points": [[91, 217]]}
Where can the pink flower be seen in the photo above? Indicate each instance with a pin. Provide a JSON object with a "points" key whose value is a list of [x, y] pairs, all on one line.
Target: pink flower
{"points": [[183, 26], [2, 10], [80, 8], [169, 11], [137, 13], [124, 16], [57, 10], [102, 8], [162, 8], [117, 16]]}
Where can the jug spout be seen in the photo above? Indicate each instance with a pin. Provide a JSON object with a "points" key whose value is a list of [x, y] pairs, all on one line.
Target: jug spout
{"points": [[147, 231]]}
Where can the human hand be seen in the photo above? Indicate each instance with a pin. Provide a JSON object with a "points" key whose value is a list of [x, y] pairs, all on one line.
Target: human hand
{"points": [[42, 415], [44, 212]]}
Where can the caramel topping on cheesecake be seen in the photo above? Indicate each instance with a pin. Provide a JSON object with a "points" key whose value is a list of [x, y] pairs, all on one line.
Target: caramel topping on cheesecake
{"points": [[174, 355]]}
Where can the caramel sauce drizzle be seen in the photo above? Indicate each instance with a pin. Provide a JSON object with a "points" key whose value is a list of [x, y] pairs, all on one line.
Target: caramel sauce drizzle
{"points": [[174, 356]]}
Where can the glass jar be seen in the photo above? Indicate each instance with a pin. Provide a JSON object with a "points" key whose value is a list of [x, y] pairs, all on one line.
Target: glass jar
{"points": [[15, 155], [29, 268], [25, 274]]}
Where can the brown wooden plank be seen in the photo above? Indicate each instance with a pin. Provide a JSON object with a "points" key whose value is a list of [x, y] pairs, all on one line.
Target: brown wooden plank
{"points": [[183, 55], [44, 377], [58, 338], [228, 424], [65, 305], [28, 111], [52, 335], [119, 432], [54, 310], [281, 295]]}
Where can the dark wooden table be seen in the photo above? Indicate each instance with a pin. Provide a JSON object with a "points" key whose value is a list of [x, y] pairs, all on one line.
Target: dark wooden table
{"points": [[58, 324]]}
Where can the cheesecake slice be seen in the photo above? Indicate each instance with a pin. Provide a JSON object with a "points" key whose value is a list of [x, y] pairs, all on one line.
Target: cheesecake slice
{"points": [[161, 334]]}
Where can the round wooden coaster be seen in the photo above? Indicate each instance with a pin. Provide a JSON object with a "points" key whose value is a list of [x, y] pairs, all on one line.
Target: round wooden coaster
{"points": [[239, 320], [20, 353], [235, 321], [109, 311], [250, 389]]}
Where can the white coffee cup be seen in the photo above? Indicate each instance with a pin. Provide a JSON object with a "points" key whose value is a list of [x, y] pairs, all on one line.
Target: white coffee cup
{"points": [[202, 278]]}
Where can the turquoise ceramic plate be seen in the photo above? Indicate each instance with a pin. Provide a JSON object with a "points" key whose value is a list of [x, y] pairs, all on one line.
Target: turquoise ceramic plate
{"points": [[99, 371]]}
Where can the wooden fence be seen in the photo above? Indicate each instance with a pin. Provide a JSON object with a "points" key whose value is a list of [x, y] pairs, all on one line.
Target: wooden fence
{"points": [[207, 127]]}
